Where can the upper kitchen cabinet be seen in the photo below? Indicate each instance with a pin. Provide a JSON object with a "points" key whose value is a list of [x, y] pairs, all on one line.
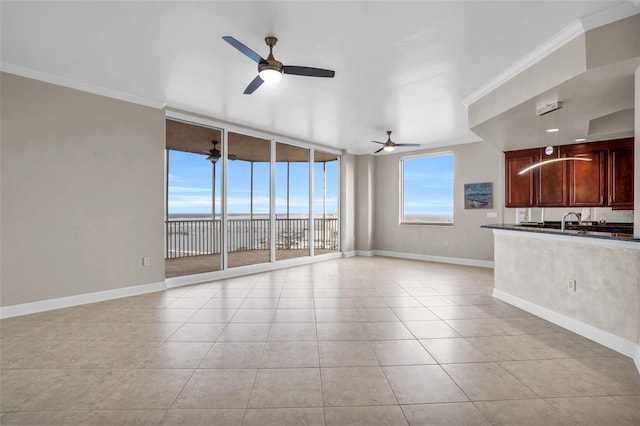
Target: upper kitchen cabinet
{"points": [[587, 178], [605, 181], [551, 182], [519, 188], [620, 174], [541, 187]]}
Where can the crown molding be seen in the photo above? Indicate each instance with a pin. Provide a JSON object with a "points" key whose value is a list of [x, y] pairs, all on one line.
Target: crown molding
{"points": [[576, 28], [613, 14], [554, 43], [77, 85]]}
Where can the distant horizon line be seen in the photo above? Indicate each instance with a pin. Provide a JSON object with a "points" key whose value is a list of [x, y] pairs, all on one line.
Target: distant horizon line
{"points": [[248, 214]]}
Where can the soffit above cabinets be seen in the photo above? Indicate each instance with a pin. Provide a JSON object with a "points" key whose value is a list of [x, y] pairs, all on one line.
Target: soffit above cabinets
{"points": [[596, 99]]}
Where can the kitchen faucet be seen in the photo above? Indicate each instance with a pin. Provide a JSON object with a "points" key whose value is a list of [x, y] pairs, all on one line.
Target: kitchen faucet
{"points": [[564, 217]]}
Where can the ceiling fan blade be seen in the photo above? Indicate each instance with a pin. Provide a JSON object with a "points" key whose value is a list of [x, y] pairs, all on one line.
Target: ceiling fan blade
{"points": [[407, 144], [381, 143], [308, 71], [244, 49], [379, 150], [257, 82]]}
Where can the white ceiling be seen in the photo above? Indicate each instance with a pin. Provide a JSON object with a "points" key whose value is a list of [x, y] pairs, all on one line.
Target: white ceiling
{"points": [[404, 66]]}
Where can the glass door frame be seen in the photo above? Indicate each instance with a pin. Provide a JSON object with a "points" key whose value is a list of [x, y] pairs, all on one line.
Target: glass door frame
{"points": [[273, 139]]}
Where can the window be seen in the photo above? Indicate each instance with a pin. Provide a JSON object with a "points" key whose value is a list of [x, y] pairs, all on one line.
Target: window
{"points": [[264, 213], [427, 189]]}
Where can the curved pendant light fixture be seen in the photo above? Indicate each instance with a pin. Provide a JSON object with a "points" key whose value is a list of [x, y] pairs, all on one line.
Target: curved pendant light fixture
{"points": [[553, 160]]}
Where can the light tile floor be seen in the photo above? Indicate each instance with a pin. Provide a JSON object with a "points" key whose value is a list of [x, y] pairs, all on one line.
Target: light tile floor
{"points": [[345, 342]]}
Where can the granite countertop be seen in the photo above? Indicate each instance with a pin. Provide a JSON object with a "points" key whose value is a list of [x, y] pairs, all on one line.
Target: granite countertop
{"points": [[620, 236]]}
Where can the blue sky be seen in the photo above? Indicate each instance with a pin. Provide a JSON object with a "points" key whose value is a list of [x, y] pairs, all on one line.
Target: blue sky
{"points": [[428, 185], [190, 188]]}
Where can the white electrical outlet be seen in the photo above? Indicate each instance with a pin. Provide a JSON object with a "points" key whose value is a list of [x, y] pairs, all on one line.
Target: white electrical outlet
{"points": [[572, 285], [146, 261]]}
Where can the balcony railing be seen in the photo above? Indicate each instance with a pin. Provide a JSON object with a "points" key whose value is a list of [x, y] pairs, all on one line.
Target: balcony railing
{"points": [[197, 237]]}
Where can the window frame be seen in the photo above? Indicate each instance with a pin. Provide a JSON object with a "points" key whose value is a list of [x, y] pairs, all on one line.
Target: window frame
{"points": [[225, 128], [401, 185]]}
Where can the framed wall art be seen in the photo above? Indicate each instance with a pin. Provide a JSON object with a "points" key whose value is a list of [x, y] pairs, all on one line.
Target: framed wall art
{"points": [[478, 195]]}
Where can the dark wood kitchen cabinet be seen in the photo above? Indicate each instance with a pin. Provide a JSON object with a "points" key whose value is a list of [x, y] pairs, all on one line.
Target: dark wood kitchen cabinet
{"points": [[587, 178], [519, 190], [620, 175], [605, 181], [541, 187], [552, 183]]}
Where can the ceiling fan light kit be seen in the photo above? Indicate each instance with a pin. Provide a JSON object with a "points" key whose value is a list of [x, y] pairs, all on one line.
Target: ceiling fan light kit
{"points": [[270, 75], [390, 146], [270, 70], [214, 154]]}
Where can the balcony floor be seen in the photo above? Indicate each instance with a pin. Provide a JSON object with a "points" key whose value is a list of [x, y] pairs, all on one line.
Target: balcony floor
{"points": [[208, 263]]}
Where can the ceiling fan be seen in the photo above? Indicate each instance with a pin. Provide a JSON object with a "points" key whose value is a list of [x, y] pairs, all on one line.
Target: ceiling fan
{"points": [[389, 145], [271, 70], [215, 154]]}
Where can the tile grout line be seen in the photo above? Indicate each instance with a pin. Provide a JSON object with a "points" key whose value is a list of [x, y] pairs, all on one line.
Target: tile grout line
{"points": [[264, 348], [195, 369], [200, 362], [315, 326]]}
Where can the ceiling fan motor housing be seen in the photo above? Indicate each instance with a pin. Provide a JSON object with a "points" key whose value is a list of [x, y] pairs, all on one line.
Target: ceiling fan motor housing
{"points": [[270, 64]]}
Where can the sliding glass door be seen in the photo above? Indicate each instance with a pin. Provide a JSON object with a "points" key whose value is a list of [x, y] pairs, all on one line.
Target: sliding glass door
{"points": [[326, 171], [292, 201], [193, 240], [235, 199], [248, 201]]}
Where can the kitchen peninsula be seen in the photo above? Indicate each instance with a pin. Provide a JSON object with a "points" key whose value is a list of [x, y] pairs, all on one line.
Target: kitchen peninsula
{"points": [[587, 282]]}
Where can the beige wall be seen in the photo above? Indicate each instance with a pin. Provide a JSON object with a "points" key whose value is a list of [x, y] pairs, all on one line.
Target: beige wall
{"points": [[347, 206], [615, 42], [82, 180], [365, 202], [473, 163]]}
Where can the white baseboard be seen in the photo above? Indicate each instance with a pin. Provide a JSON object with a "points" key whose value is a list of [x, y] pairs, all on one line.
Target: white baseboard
{"points": [[440, 259], [425, 257], [80, 299], [616, 343], [100, 296]]}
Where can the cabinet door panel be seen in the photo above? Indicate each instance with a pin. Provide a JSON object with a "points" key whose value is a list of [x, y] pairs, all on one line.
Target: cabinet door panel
{"points": [[553, 190], [518, 188], [620, 178], [587, 180]]}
